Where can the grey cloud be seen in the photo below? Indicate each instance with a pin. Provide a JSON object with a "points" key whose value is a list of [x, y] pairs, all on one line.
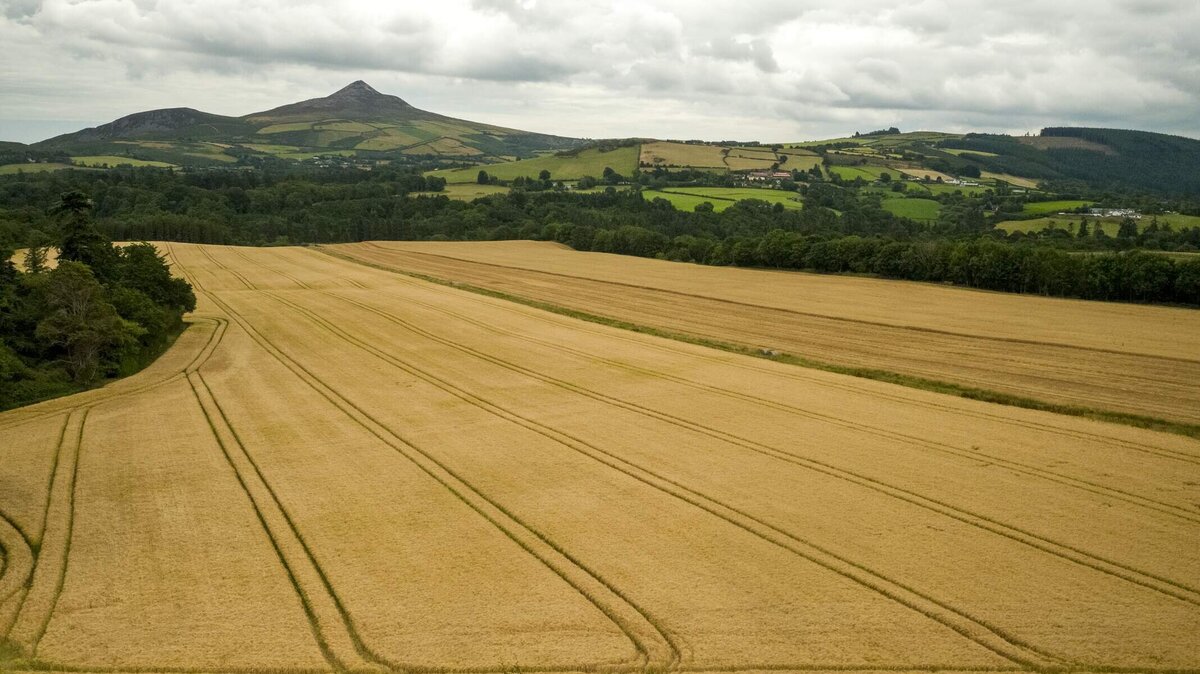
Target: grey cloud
{"points": [[803, 65]]}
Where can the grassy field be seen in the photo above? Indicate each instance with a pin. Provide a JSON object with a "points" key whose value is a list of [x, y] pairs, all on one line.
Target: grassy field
{"points": [[464, 191], [1048, 207], [591, 162], [101, 161], [868, 173], [915, 208], [9, 169], [936, 189], [1015, 181], [345, 468], [666, 153], [687, 198], [1111, 226]]}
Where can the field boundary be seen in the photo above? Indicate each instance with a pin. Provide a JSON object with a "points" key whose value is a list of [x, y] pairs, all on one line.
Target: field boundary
{"points": [[910, 381]]}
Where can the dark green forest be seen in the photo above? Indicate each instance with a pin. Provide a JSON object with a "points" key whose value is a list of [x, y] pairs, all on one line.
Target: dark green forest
{"points": [[842, 227], [102, 311]]}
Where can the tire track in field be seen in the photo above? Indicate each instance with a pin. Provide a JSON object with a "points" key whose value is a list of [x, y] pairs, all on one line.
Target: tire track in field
{"points": [[988, 636], [50, 568], [650, 655], [957, 376], [444, 476], [1064, 551], [1010, 340], [342, 650], [448, 287], [44, 583], [1035, 471], [340, 644], [675, 652], [649, 640], [18, 563], [104, 396]]}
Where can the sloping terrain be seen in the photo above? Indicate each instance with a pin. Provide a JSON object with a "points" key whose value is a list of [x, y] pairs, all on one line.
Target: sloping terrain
{"points": [[341, 468], [355, 118], [1125, 358]]}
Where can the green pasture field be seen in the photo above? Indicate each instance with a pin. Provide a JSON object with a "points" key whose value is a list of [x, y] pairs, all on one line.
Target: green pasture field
{"points": [[1047, 207], [464, 191], [10, 169], [687, 198], [1070, 223], [99, 161], [868, 173], [687, 202], [590, 162], [938, 189], [917, 209]]}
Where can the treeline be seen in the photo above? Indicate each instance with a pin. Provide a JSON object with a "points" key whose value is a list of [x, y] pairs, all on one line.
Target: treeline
{"points": [[1135, 275], [101, 311], [1151, 162], [841, 228]]}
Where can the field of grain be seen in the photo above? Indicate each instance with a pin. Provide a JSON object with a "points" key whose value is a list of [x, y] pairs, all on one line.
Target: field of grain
{"points": [[1130, 359], [665, 153], [342, 468]]}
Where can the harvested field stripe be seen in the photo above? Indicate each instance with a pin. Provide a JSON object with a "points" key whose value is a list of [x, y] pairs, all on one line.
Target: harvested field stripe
{"points": [[1146, 579], [50, 569], [650, 649], [337, 647], [989, 637]]}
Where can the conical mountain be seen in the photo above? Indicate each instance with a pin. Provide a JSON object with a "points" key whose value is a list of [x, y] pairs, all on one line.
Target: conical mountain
{"points": [[357, 100], [355, 121]]}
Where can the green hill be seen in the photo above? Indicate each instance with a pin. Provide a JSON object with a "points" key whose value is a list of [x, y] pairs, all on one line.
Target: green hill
{"points": [[354, 121]]}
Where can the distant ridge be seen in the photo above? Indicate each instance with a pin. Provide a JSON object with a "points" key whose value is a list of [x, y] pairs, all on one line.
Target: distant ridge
{"points": [[356, 118]]}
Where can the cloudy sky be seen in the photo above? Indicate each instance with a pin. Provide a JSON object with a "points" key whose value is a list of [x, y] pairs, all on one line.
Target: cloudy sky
{"points": [[751, 69]]}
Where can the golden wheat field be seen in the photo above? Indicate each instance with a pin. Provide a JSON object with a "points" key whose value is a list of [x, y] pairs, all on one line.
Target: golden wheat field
{"points": [[1131, 359], [343, 468]]}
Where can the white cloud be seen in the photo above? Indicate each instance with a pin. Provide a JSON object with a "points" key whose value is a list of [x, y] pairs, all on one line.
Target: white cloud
{"points": [[665, 68]]}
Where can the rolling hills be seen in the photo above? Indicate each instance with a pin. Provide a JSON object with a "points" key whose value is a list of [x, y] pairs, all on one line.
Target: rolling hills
{"points": [[355, 120]]}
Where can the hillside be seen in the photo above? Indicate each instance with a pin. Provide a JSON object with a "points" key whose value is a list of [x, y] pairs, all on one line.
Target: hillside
{"points": [[357, 122]]}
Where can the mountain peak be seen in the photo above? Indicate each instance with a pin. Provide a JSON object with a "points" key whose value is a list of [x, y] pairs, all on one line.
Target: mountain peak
{"points": [[355, 100], [355, 89]]}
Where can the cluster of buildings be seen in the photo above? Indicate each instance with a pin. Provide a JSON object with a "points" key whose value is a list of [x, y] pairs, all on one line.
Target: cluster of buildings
{"points": [[1115, 213], [768, 176]]}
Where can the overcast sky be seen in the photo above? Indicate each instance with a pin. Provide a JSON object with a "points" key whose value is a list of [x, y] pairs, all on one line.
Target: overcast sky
{"points": [[775, 70]]}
